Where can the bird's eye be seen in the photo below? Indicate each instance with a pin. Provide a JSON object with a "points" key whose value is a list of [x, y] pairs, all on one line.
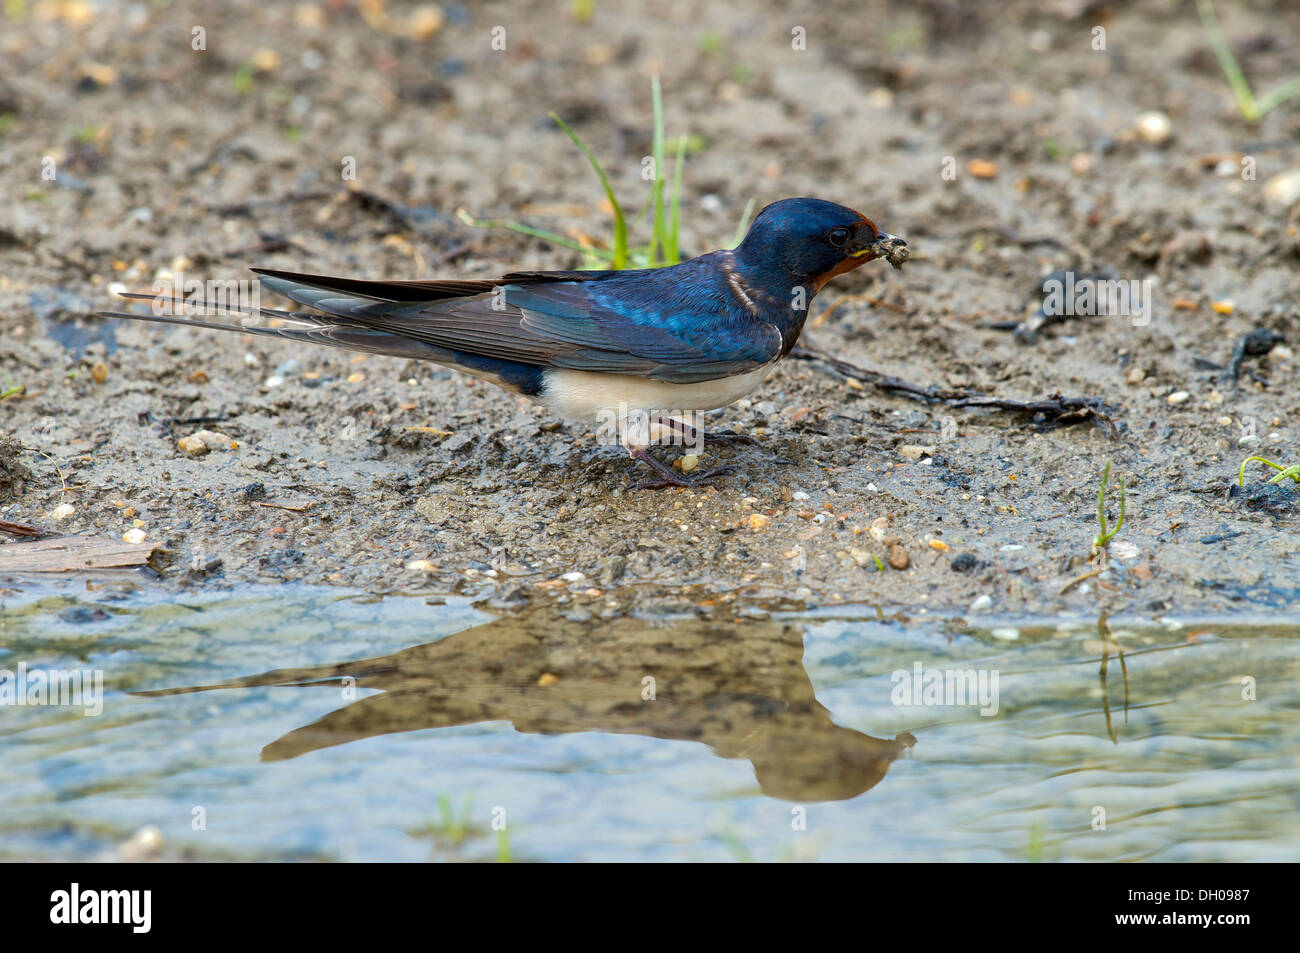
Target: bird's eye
{"points": [[838, 236]]}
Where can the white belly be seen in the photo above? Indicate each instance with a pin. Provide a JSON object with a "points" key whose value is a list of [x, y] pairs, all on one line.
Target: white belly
{"points": [[582, 395]]}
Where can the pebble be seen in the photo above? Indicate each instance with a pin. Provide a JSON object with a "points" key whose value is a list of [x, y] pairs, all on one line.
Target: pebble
{"points": [[982, 168], [1123, 549], [898, 557], [799, 495], [421, 565], [860, 556], [1137, 375], [689, 462], [192, 446], [574, 576], [62, 512], [145, 844], [913, 451], [1249, 440], [1005, 635], [1153, 127], [879, 529], [133, 536], [983, 602], [99, 372], [266, 60], [1284, 188], [1082, 163], [1178, 397]]}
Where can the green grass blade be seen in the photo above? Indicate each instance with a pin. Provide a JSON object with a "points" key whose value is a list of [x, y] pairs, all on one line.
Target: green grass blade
{"points": [[1236, 78], [541, 233], [1278, 96], [620, 222]]}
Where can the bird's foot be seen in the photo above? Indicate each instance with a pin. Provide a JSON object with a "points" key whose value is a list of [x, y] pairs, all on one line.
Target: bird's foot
{"points": [[666, 476]]}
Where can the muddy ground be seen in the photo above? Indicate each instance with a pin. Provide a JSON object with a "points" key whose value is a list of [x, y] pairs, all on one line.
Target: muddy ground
{"points": [[168, 159]]}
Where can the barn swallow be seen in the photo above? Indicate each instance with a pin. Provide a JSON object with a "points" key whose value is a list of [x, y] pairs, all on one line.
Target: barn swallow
{"points": [[628, 346]]}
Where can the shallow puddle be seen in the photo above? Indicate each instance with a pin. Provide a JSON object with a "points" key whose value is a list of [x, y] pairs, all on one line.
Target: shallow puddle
{"points": [[284, 722]]}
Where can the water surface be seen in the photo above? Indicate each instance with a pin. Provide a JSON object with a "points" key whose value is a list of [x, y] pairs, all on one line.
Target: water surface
{"points": [[288, 722]]}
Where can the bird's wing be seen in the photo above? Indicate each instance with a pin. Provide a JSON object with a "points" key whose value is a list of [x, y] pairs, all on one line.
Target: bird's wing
{"points": [[570, 320]]}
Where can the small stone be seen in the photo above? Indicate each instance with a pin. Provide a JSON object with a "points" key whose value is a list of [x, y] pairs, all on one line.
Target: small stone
{"points": [[757, 521], [879, 529], [1249, 440], [898, 557], [192, 446], [547, 679], [799, 495], [424, 22], [99, 372], [1082, 163], [215, 441], [912, 451], [145, 844], [982, 168], [1284, 188], [983, 602], [62, 512], [1178, 397], [1136, 375], [1154, 127], [1005, 634], [1123, 549], [421, 565], [1226, 306], [689, 462], [266, 60], [574, 576], [133, 536]]}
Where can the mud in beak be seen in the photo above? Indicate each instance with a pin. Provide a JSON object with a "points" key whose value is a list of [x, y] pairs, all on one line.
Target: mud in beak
{"points": [[884, 245]]}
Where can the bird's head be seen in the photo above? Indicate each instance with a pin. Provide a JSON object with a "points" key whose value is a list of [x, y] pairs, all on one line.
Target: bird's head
{"points": [[811, 241]]}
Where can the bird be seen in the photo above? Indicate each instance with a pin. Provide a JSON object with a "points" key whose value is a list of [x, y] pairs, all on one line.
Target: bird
{"points": [[640, 352]]}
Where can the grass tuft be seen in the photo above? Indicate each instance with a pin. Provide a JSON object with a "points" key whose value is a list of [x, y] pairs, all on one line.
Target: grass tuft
{"points": [[1104, 534], [1251, 108], [1292, 471], [663, 246]]}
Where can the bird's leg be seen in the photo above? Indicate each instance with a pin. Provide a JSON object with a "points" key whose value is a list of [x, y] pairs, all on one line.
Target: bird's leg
{"points": [[670, 477]]}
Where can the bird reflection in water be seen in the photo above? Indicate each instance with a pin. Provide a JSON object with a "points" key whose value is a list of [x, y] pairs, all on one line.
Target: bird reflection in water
{"points": [[741, 690]]}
